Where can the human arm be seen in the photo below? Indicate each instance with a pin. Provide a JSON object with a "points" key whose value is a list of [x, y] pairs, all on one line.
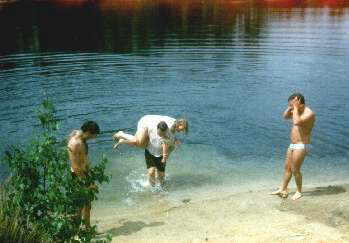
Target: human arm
{"points": [[288, 113], [300, 119], [165, 152]]}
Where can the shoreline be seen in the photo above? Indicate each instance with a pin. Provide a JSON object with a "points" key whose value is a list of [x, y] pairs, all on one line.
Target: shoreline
{"points": [[322, 214]]}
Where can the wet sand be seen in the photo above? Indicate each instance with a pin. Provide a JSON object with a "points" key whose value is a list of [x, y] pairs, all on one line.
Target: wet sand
{"points": [[321, 215]]}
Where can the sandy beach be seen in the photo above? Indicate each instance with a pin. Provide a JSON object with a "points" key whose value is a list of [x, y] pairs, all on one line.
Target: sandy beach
{"points": [[322, 215]]}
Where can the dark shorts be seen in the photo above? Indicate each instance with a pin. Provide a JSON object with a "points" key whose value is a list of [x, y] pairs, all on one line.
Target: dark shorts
{"points": [[76, 193], [153, 161]]}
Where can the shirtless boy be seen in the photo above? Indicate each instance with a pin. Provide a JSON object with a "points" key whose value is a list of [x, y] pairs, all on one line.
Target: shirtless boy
{"points": [[303, 119], [78, 150]]}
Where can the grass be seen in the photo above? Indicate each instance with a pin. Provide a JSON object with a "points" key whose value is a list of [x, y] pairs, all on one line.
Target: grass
{"points": [[11, 229]]}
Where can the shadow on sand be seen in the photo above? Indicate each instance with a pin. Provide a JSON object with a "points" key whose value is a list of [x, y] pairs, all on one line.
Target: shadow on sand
{"points": [[329, 190], [130, 227], [331, 210], [179, 182]]}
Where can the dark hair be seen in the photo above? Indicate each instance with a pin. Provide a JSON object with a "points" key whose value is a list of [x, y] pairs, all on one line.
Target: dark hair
{"points": [[299, 96], [90, 126], [162, 126]]}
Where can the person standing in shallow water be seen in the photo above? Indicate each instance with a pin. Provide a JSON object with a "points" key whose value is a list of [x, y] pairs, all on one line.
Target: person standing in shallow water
{"points": [[78, 151], [303, 119], [157, 153], [156, 134]]}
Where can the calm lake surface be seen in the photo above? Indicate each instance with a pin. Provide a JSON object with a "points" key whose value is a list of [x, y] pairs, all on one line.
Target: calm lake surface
{"points": [[227, 66]]}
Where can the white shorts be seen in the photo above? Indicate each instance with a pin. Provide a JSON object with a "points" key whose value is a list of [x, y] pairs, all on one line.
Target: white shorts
{"points": [[297, 146], [142, 125]]}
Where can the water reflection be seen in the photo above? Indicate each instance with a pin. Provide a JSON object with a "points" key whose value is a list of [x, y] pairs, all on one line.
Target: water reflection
{"points": [[129, 26], [226, 65]]}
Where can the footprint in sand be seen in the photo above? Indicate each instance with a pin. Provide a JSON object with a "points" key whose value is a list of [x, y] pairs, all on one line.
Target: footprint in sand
{"points": [[187, 200]]}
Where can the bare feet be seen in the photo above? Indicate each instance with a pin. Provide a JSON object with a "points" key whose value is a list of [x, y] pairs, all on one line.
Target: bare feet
{"points": [[296, 196], [277, 192], [118, 135], [121, 141], [280, 193]]}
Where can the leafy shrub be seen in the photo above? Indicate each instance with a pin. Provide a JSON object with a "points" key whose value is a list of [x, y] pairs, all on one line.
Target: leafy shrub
{"points": [[11, 229], [41, 193]]}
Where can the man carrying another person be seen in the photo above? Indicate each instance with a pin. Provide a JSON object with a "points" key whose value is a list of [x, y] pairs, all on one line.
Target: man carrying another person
{"points": [[157, 135]]}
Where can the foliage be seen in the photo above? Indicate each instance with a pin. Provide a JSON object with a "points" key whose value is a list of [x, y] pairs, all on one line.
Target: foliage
{"points": [[11, 230], [41, 191]]}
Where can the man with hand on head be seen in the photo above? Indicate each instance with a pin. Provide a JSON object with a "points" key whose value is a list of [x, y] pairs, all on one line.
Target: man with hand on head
{"points": [[303, 119]]}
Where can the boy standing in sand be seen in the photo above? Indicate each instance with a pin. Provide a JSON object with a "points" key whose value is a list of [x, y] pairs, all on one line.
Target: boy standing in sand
{"points": [[303, 119], [78, 150]]}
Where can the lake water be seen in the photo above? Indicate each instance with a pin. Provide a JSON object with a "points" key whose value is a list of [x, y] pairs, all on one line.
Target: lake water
{"points": [[226, 66]]}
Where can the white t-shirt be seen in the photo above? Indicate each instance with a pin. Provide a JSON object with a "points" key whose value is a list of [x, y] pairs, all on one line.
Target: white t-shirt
{"points": [[155, 141]]}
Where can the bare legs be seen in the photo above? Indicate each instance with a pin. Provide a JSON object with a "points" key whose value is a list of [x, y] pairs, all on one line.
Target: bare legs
{"points": [[293, 162], [86, 212], [298, 158], [161, 178], [140, 139], [283, 191], [154, 174], [151, 176]]}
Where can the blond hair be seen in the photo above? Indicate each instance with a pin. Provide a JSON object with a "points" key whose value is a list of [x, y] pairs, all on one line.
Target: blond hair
{"points": [[183, 122]]}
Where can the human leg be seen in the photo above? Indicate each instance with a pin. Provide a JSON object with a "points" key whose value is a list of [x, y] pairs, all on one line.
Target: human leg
{"points": [[160, 170], [161, 177], [298, 156], [140, 139], [151, 167], [283, 191], [151, 176], [125, 138], [86, 214]]}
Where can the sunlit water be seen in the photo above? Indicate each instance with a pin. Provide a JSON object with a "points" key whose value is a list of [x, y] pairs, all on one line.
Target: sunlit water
{"points": [[228, 69]]}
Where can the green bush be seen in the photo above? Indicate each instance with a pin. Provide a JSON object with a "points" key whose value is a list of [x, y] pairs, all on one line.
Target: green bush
{"points": [[41, 192], [11, 229]]}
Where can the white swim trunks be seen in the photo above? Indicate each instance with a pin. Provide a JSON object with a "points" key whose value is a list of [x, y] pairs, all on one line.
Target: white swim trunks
{"points": [[296, 146]]}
